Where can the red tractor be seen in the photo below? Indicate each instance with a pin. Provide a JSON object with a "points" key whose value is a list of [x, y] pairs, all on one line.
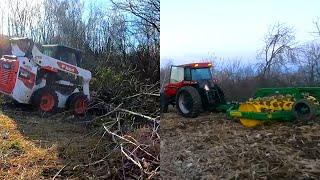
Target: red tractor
{"points": [[192, 89]]}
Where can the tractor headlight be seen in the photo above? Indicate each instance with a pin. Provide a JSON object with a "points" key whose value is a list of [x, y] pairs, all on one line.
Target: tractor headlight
{"points": [[206, 87]]}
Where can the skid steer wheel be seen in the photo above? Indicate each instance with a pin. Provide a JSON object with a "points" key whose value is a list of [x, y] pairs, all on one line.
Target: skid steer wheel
{"points": [[304, 110], [78, 103], [188, 102], [46, 101]]}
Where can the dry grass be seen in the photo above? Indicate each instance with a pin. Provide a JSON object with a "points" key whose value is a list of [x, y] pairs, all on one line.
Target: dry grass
{"points": [[213, 147], [20, 157], [36, 148]]}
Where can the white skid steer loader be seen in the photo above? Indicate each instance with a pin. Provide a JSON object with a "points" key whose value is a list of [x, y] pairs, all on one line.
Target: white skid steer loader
{"points": [[49, 80]]}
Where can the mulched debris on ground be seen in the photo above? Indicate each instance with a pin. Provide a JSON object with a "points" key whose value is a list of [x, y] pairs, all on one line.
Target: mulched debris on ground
{"points": [[211, 146]]}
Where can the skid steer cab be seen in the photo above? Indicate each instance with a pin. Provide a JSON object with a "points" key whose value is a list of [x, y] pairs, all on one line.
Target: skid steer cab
{"points": [[191, 89], [48, 79]]}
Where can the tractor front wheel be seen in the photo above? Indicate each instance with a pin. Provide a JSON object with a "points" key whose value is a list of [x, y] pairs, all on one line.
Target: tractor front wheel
{"points": [[188, 102]]}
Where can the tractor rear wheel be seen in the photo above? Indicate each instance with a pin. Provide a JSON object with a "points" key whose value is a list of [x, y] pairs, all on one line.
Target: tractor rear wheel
{"points": [[188, 102], [46, 100], [78, 104], [164, 103]]}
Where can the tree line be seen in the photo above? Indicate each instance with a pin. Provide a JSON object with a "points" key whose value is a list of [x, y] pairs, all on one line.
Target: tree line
{"points": [[122, 29], [282, 61]]}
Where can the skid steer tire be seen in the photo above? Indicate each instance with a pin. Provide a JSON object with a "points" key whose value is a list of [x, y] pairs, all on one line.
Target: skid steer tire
{"points": [[188, 102], [304, 110], [45, 100], [78, 103]]}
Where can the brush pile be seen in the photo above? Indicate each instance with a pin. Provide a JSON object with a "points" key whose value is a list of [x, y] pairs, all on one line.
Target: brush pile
{"points": [[128, 110]]}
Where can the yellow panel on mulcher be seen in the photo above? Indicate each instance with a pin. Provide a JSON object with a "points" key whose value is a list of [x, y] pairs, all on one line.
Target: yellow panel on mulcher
{"points": [[250, 107]]}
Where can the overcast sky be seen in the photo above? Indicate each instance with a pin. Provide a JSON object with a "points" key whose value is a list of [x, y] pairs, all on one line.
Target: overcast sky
{"points": [[198, 29]]}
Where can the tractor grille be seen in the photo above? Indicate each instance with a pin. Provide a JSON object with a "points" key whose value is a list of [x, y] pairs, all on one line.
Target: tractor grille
{"points": [[5, 76], [8, 71]]}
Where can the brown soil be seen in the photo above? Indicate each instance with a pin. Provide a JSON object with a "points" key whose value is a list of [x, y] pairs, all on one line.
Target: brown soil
{"points": [[213, 147]]}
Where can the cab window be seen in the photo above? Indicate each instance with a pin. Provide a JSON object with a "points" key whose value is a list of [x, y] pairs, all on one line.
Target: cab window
{"points": [[201, 74], [187, 74], [67, 57], [177, 74], [49, 52]]}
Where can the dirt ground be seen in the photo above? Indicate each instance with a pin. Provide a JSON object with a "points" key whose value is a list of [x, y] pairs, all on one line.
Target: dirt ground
{"points": [[32, 147], [213, 147]]}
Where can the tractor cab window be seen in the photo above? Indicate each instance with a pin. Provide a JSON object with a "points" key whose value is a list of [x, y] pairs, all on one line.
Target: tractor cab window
{"points": [[187, 74], [177, 74], [201, 74]]}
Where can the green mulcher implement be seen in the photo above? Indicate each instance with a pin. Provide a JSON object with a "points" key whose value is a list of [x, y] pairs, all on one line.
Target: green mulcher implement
{"points": [[278, 104]]}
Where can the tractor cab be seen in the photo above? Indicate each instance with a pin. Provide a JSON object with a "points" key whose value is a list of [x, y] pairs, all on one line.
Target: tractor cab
{"points": [[191, 72], [192, 88], [197, 75], [63, 53]]}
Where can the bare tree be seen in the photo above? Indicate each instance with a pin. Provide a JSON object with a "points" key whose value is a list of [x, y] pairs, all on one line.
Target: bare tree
{"points": [[165, 74], [146, 10], [310, 63], [317, 27], [22, 18], [278, 48]]}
